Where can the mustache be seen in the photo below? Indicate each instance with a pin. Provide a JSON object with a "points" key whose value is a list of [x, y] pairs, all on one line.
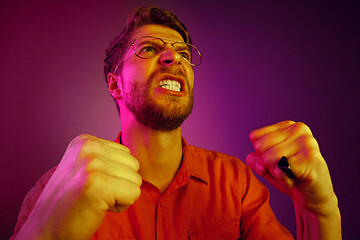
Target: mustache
{"points": [[173, 70], [177, 71]]}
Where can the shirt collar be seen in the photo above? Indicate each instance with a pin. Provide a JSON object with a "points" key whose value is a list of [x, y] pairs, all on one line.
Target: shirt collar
{"points": [[194, 163]]}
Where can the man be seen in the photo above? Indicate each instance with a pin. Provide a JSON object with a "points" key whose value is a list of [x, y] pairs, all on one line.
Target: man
{"points": [[150, 184]]}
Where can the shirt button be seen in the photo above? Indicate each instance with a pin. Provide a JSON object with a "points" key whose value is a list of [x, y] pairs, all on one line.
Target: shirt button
{"points": [[181, 179]]}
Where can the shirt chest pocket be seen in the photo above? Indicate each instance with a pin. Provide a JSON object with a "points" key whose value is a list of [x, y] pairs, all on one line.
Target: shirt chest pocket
{"points": [[229, 229]]}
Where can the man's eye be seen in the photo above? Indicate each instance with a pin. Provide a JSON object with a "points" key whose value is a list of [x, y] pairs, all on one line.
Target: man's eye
{"points": [[148, 49], [185, 55]]}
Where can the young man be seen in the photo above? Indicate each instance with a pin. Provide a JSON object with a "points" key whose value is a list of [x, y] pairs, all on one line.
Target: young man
{"points": [[150, 184]]}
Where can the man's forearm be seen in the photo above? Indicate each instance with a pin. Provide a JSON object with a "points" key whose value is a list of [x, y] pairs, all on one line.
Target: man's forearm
{"points": [[321, 224]]}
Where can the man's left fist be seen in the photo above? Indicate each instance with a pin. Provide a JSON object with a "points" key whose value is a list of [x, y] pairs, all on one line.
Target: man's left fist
{"points": [[311, 185]]}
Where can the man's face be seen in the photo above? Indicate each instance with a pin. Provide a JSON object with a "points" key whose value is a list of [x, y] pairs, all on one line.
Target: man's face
{"points": [[148, 86]]}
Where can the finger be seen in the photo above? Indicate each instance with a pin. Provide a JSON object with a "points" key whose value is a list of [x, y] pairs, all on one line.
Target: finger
{"points": [[94, 143], [272, 156], [289, 134], [303, 163], [116, 169], [263, 143], [281, 176], [87, 137], [254, 135], [127, 194], [118, 152], [254, 161], [107, 150], [115, 145], [288, 149], [124, 158], [299, 154], [133, 195], [276, 178], [280, 181], [108, 191]]}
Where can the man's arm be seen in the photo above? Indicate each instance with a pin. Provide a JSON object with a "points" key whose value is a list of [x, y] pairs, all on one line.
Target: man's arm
{"points": [[316, 205], [94, 176]]}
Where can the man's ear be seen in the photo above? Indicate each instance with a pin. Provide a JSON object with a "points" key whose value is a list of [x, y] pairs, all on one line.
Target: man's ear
{"points": [[113, 86]]}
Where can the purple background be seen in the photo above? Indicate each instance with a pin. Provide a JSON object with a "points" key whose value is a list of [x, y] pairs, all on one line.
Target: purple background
{"points": [[264, 61]]}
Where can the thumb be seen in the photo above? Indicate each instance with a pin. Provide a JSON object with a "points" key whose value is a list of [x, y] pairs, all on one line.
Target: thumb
{"points": [[254, 161]]}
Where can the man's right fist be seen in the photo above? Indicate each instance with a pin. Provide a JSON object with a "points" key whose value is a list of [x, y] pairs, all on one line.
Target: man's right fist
{"points": [[94, 176]]}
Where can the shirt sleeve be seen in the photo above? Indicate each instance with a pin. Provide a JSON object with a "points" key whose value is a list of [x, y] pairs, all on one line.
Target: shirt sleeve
{"points": [[258, 220], [30, 200]]}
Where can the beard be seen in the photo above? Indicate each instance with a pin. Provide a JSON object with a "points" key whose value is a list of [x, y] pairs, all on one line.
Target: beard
{"points": [[139, 101]]}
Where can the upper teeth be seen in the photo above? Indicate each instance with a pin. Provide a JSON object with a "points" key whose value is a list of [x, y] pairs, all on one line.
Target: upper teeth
{"points": [[171, 85]]}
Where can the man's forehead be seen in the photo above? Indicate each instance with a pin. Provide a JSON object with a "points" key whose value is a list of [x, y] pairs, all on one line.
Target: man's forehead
{"points": [[157, 31]]}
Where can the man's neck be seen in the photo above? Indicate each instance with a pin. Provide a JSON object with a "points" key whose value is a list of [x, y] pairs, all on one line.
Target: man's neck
{"points": [[159, 152]]}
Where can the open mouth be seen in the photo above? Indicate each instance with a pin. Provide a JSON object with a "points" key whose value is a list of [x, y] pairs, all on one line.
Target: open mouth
{"points": [[172, 85]]}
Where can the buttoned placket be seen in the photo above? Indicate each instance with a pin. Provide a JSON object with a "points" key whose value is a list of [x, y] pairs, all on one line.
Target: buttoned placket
{"points": [[163, 216]]}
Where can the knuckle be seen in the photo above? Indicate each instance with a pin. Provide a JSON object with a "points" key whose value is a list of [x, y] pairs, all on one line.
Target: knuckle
{"points": [[267, 156], [137, 192], [92, 162], [258, 145], [312, 154], [78, 146], [89, 144], [139, 179], [252, 136], [287, 122], [76, 140], [136, 164], [301, 127], [81, 138], [295, 128], [308, 142], [272, 156], [124, 148], [305, 140]]}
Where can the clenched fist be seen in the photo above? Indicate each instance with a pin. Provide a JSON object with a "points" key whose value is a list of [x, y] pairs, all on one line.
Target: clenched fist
{"points": [[312, 187], [94, 176]]}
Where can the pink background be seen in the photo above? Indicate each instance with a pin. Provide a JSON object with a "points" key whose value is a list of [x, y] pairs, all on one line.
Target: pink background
{"points": [[264, 61]]}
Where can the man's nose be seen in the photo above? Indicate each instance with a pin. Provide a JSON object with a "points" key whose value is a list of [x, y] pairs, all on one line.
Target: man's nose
{"points": [[169, 56]]}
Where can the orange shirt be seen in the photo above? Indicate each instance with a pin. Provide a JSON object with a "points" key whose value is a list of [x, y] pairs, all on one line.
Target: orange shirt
{"points": [[213, 196]]}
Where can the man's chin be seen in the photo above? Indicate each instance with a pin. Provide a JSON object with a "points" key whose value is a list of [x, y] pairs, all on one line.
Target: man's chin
{"points": [[158, 118], [163, 122]]}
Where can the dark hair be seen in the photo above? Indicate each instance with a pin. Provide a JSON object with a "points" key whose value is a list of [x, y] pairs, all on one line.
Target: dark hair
{"points": [[138, 18]]}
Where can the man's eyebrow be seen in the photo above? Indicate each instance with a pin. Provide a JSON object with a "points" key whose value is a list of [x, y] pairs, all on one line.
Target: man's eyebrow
{"points": [[182, 46], [144, 41], [172, 40]]}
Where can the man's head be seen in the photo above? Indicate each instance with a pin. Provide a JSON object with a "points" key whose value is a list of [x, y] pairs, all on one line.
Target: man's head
{"points": [[145, 83], [138, 18]]}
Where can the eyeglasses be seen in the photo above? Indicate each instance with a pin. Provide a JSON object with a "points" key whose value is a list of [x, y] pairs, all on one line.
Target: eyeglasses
{"points": [[149, 46]]}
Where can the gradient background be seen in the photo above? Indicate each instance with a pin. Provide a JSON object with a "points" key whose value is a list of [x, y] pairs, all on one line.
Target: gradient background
{"points": [[264, 62]]}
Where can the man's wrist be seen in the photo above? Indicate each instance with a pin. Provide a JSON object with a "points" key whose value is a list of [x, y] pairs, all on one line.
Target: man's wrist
{"points": [[318, 221], [323, 208]]}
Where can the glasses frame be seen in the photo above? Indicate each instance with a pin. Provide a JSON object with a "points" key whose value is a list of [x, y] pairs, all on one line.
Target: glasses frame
{"points": [[164, 40]]}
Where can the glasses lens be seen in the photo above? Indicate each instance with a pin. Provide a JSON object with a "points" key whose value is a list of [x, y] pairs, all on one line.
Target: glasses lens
{"points": [[196, 57], [148, 47], [188, 52]]}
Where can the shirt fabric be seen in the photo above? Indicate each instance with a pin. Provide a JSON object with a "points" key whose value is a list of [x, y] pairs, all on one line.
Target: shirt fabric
{"points": [[212, 196]]}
